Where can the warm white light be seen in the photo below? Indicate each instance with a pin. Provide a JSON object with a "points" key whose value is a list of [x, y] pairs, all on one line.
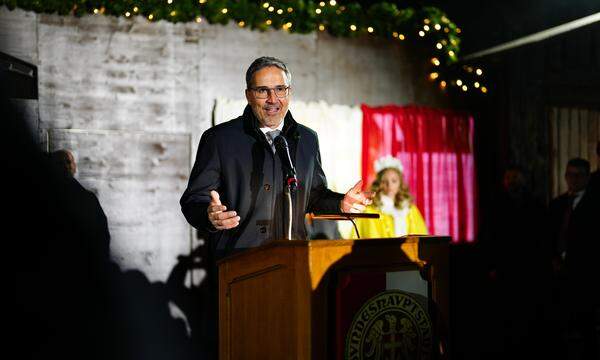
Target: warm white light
{"points": [[476, 84], [437, 26], [279, 11], [173, 13], [198, 19], [290, 9], [370, 29], [322, 27], [421, 33], [401, 37], [169, 1], [128, 14], [353, 27], [266, 5], [271, 9], [479, 72], [435, 61], [426, 27], [224, 11], [135, 9], [451, 53], [459, 82], [332, 2], [96, 11], [465, 88], [318, 11], [268, 22], [150, 17], [322, 3], [439, 46]]}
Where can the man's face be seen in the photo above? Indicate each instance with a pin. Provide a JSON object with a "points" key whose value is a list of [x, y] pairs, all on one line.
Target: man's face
{"points": [[577, 178], [513, 181], [270, 111]]}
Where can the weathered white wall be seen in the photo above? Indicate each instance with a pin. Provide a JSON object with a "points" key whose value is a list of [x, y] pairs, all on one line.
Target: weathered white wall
{"points": [[131, 99]]}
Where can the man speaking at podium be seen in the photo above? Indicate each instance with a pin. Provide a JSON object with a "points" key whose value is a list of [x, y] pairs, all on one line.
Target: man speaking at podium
{"points": [[236, 188]]}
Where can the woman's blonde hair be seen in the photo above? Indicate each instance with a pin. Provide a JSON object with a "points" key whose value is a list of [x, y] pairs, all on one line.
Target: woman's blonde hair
{"points": [[401, 197]]}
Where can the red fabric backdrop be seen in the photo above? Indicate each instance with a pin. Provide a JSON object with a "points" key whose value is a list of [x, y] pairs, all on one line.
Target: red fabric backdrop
{"points": [[435, 148]]}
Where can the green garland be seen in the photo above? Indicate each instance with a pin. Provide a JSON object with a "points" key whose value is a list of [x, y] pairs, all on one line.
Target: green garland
{"points": [[340, 18]]}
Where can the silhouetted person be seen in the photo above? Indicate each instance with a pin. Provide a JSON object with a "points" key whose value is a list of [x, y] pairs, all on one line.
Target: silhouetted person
{"points": [[85, 205], [576, 234], [519, 266], [60, 305], [594, 185]]}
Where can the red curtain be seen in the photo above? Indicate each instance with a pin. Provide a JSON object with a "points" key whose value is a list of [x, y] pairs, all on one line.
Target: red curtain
{"points": [[435, 148]]}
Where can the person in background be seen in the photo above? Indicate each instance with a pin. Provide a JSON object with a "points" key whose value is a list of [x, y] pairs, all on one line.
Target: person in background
{"points": [[399, 215], [515, 250], [594, 184], [88, 208], [574, 224]]}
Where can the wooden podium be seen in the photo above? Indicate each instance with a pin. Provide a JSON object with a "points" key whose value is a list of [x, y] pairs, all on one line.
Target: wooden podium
{"points": [[281, 300]]}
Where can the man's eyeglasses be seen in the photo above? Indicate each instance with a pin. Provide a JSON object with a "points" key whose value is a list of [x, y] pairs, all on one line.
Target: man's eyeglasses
{"points": [[262, 92]]}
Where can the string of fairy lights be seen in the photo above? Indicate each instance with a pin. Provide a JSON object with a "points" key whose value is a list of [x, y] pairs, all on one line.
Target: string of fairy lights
{"points": [[428, 26]]}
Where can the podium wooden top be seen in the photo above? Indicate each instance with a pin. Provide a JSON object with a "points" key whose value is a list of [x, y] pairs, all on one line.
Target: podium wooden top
{"points": [[366, 242]]}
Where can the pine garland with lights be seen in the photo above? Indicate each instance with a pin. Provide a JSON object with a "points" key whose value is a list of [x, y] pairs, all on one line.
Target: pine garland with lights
{"points": [[340, 18]]}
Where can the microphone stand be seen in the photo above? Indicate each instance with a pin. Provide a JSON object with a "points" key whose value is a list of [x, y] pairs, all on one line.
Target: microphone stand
{"points": [[291, 184]]}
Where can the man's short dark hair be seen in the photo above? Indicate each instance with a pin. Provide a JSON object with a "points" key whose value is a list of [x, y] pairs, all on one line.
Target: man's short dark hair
{"points": [[580, 163], [263, 62]]}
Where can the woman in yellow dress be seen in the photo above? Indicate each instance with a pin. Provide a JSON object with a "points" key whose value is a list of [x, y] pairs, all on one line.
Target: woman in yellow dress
{"points": [[399, 216]]}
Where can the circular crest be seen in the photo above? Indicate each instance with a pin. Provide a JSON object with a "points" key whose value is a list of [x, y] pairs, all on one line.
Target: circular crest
{"points": [[390, 325]]}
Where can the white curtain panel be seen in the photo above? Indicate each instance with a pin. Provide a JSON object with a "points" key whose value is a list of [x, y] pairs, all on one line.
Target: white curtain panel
{"points": [[339, 128]]}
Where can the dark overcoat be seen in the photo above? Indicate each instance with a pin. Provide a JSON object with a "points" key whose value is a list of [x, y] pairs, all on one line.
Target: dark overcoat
{"points": [[235, 159]]}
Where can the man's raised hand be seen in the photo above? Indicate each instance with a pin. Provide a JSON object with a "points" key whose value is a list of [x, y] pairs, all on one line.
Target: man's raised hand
{"points": [[355, 199], [218, 217]]}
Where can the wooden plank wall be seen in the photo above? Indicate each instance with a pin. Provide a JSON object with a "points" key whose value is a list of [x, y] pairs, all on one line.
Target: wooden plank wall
{"points": [[131, 98]]}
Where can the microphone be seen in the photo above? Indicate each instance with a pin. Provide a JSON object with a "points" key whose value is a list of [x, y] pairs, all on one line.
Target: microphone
{"points": [[281, 147]]}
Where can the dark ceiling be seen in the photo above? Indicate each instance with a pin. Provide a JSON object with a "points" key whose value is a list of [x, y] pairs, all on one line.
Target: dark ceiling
{"points": [[488, 23]]}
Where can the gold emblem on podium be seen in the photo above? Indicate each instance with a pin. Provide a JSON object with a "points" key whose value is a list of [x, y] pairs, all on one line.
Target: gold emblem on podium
{"points": [[392, 325]]}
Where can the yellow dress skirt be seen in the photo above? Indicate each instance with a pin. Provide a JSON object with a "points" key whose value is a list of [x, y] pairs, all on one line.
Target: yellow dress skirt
{"points": [[384, 226]]}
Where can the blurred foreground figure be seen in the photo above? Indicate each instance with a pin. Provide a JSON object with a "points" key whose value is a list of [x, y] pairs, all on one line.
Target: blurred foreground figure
{"points": [[576, 237], [52, 239], [519, 271]]}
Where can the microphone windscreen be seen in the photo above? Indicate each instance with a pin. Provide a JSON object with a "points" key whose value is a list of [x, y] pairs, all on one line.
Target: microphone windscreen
{"points": [[280, 142]]}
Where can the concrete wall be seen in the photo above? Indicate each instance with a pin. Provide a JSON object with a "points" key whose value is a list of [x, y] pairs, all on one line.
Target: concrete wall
{"points": [[131, 99]]}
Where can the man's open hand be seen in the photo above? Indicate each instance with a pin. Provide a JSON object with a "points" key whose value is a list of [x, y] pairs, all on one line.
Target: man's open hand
{"points": [[355, 199], [218, 217]]}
